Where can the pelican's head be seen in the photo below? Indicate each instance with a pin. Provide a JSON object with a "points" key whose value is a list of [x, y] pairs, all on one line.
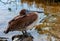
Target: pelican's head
{"points": [[23, 12]]}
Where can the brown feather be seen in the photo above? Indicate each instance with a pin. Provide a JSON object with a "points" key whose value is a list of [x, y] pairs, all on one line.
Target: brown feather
{"points": [[21, 22]]}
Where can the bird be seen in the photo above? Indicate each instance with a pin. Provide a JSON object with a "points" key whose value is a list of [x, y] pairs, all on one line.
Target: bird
{"points": [[24, 21]]}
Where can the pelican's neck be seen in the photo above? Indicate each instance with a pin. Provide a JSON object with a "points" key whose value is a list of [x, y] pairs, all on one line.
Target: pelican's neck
{"points": [[31, 26], [38, 18]]}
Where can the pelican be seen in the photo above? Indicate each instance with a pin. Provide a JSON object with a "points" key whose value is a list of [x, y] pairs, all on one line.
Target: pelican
{"points": [[24, 21]]}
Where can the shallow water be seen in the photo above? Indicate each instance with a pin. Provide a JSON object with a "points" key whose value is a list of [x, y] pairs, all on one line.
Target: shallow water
{"points": [[6, 16]]}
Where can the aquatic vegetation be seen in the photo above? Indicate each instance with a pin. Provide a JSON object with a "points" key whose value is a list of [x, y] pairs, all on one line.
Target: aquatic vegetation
{"points": [[50, 6], [50, 25]]}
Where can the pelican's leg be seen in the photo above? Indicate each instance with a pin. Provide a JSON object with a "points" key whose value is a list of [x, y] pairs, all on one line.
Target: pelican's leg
{"points": [[26, 33], [23, 32]]}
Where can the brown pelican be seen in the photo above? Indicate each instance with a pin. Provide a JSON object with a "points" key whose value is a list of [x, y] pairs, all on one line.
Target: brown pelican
{"points": [[22, 22]]}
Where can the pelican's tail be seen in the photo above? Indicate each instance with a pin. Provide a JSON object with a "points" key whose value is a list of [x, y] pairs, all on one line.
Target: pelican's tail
{"points": [[6, 31]]}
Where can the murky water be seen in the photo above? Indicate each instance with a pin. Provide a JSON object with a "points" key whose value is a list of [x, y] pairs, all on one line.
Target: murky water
{"points": [[6, 16]]}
